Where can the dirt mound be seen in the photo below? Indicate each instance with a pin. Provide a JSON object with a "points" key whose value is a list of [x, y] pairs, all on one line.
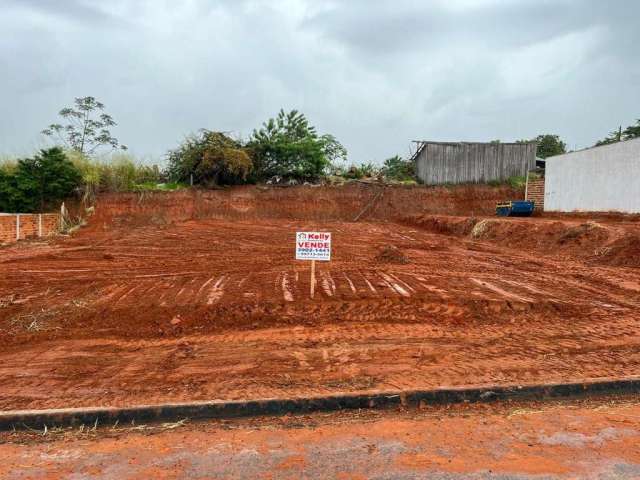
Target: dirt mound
{"points": [[459, 226], [624, 252], [583, 234], [548, 237], [578, 240], [391, 254]]}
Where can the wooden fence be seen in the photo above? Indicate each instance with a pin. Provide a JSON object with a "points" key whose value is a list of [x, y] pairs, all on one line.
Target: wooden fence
{"points": [[439, 163]]}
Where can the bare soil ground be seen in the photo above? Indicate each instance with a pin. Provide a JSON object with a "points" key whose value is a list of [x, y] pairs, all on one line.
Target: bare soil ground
{"points": [[594, 439], [179, 297]]}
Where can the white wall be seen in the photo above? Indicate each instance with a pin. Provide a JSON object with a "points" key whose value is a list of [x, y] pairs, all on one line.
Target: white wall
{"points": [[600, 179]]}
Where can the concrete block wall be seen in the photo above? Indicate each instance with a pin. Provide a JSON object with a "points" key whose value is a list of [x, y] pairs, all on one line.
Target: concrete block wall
{"points": [[14, 227], [599, 179], [535, 192]]}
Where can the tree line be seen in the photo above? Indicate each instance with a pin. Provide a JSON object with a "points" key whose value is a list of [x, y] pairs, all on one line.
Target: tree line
{"points": [[550, 144], [620, 135], [284, 149]]}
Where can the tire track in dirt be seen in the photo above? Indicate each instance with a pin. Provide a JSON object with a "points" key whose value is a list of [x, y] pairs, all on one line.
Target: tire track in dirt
{"points": [[459, 312]]}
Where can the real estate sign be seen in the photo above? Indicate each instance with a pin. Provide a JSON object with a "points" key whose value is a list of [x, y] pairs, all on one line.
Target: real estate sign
{"points": [[313, 246]]}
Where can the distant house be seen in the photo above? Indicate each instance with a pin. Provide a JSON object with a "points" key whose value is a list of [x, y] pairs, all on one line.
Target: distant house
{"points": [[439, 163], [598, 179]]}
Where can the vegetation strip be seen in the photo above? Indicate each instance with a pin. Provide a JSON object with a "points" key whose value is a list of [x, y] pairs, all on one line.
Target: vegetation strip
{"points": [[40, 419]]}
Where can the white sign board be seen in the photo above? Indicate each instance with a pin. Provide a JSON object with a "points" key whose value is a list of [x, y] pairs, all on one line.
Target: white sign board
{"points": [[313, 246]]}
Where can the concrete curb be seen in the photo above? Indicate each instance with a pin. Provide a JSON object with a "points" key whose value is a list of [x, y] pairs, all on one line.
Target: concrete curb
{"points": [[20, 419]]}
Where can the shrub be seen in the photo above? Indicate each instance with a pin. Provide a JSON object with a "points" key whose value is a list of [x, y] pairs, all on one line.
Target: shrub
{"points": [[356, 172], [213, 158], [517, 182], [38, 183], [396, 168], [10, 196]]}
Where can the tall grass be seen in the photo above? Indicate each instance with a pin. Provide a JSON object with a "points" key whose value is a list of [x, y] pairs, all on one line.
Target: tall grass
{"points": [[119, 172], [8, 164]]}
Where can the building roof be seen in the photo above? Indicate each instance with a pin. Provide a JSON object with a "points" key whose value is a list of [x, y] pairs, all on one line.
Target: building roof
{"points": [[423, 143]]}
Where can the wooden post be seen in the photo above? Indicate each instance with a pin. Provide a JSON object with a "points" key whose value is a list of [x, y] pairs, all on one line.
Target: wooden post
{"points": [[313, 277], [39, 225], [63, 214]]}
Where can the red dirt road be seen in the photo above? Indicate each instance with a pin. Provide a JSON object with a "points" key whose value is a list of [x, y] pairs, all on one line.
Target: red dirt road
{"points": [[209, 309], [592, 440]]}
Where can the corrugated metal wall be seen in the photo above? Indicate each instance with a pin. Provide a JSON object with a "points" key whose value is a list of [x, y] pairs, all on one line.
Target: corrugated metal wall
{"points": [[440, 163]]}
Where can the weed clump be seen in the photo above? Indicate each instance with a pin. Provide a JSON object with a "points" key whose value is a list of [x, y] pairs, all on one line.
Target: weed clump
{"points": [[391, 254]]}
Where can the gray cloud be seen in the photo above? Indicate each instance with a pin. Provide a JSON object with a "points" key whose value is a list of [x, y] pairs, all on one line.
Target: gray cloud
{"points": [[375, 74], [73, 10]]}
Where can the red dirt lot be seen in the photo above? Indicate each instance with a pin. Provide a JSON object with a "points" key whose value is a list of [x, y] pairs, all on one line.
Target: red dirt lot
{"points": [[595, 439], [196, 296]]}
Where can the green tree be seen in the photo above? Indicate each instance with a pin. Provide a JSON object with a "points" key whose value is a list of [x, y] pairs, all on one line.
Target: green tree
{"points": [[397, 168], [213, 158], [39, 182], [288, 147], [548, 145], [613, 137], [10, 196], [87, 128], [632, 131], [619, 135]]}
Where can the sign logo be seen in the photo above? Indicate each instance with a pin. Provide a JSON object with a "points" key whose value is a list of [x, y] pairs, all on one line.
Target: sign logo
{"points": [[313, 246]]}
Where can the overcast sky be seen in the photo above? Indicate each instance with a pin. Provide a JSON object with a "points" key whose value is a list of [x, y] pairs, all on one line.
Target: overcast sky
{"points": [[376, 74]]}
